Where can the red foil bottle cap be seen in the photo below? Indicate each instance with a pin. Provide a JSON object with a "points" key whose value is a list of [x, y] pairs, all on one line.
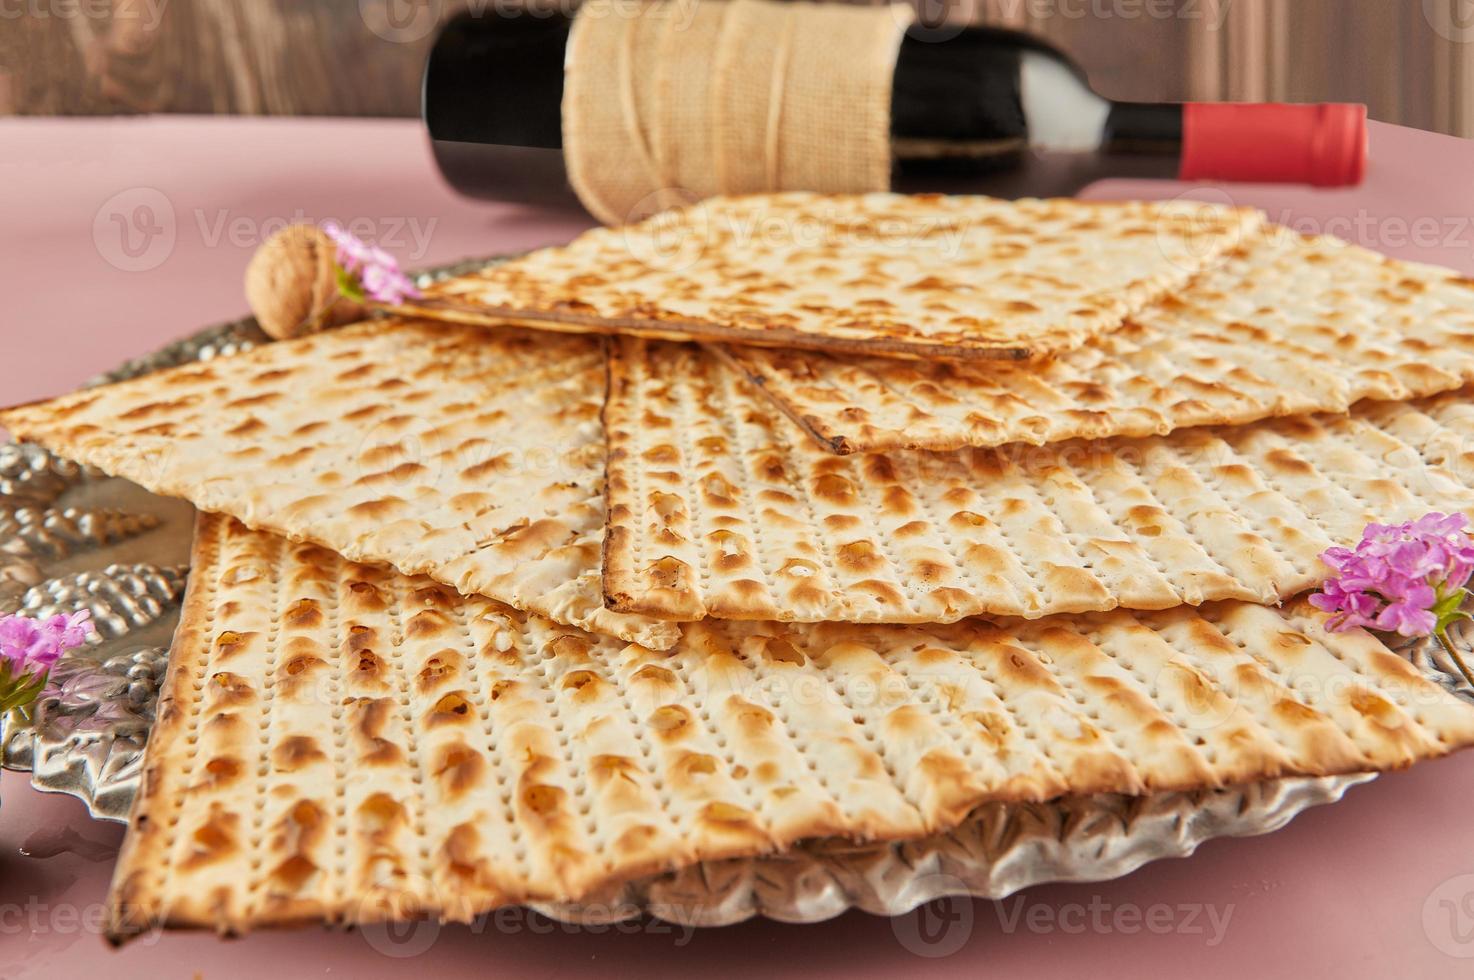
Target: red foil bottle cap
{"points": [[1324, 145]]}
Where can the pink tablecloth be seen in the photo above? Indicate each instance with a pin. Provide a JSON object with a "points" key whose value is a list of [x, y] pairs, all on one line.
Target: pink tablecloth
{"points": [[116, 236]]}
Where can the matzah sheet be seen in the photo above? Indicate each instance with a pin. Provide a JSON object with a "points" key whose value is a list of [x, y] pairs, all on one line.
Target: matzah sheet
{"points": [[339, 743], [719, 506], [1287, 325], [920, 276], [473, 456]]}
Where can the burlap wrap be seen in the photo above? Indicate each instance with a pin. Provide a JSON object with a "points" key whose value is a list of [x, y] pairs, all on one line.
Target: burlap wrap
{"points": [[671, 101]]}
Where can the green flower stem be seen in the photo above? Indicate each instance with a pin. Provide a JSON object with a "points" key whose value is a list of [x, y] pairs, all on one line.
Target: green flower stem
{"points": [[348, 283], [1442, 634], [18, 691], [1448, 607]]}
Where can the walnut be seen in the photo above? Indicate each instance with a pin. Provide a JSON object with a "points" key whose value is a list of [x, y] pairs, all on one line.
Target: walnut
{"points": [[292, 287]]}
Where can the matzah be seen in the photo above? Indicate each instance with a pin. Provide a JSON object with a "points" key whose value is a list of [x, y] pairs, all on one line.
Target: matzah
{"points": [[922, 276], [719, 506], [470, 455], [340, 743], [1286, 325]]}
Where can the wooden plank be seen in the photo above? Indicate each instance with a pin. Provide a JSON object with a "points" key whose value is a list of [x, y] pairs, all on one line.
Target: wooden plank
{"points": [[319, 57], [222, 56]]}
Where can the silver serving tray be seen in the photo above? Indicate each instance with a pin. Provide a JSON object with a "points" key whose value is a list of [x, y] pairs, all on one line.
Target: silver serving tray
{"points": [[72, 537]]}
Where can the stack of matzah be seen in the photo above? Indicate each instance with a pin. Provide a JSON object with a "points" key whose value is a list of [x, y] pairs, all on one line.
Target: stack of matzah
{"points": [[487, 616]]}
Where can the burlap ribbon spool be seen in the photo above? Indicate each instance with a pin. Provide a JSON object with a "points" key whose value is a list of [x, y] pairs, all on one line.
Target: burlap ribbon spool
{"points": [[671, 101]]}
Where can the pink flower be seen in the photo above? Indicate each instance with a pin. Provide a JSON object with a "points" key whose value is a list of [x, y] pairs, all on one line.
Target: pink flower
{"points": [[369, 268], [1404, 578], [1352, 608], [386, 284], [30, 644], [29, 648], [352, 251], [1407, 618]]}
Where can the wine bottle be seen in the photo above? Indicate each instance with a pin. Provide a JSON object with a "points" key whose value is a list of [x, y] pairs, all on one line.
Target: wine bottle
{"points": [[973, 110]]}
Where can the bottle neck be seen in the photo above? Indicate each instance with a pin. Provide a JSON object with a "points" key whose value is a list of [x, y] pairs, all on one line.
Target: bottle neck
{"points": [[1143, 128], [992, 92], [995, 112]]}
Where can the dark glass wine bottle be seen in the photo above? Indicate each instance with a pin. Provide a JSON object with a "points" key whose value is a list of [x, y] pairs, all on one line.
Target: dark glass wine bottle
{"points": [[973, 110]]}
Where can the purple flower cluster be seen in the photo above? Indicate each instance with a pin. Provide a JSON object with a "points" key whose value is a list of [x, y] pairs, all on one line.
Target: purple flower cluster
{"points": [[31, 646], [1405, 578], [374, 270]]}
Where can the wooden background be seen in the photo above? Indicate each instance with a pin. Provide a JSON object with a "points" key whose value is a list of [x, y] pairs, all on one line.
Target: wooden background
{"points": [[1411, 61]]}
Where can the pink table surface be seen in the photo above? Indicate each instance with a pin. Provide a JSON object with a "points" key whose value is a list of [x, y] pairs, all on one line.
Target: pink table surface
{"points": [[118, 235]]}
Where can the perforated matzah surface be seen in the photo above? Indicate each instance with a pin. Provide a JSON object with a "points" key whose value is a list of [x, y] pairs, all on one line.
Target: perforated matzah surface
{"points": [[919, 276], [1286, 325], [720, 506], [341, 743], [474, 456]]}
